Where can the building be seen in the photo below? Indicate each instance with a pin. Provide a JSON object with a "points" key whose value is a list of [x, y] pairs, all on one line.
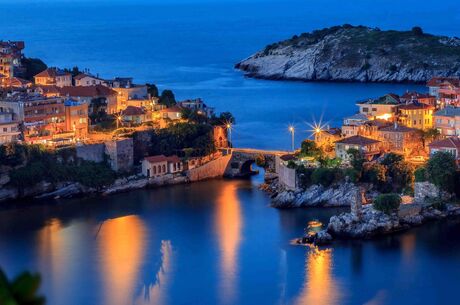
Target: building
{"points": [[449, 93], [53, 76], [44, 119], [10, 61], [220, 136], [9, 128], [450, 145], [132, 92], [447, 121], [381, 108], [326, 138], [169, 115], [197, 105], [120, 82], [368, 147], [417, 97], [156, 166], [98, 97], [401, 139], [84, 79], [416, 115], [76, 118], [48, 91], [135, 115], [436, 83]]}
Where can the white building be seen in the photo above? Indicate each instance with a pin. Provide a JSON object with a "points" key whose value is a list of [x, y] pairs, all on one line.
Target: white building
{"points": [[156, 166]]}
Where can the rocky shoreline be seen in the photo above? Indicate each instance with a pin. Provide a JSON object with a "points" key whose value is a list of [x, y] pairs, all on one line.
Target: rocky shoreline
{"points": [[356, 54], [372, 223]]}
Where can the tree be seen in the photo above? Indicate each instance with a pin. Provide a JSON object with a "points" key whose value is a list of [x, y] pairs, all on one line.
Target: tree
{"points": [[20, 291], [376, 174], [387, 203], [356, 159], [167, 98], [223, 119], [152, 89], [260, 161], [308, 148], [32, 67], [441, 169], [417, 30], [429, 135]]}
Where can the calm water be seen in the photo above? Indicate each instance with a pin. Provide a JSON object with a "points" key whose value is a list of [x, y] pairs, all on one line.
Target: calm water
{"points": [[216, 242]]}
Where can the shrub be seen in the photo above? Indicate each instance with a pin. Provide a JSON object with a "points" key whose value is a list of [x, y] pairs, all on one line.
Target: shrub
{"points": [[441, 170], [437, 204], [356, 159], [387, 203], [304, 175], [420, 174], [323, 176], [352, 174], [291, 164]]}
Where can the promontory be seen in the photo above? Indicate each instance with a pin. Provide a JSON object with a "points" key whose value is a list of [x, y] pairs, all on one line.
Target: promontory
{"points": [[357, 54]]}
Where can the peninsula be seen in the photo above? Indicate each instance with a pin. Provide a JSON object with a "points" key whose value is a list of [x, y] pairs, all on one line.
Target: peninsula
{"points": [[357, 54]]}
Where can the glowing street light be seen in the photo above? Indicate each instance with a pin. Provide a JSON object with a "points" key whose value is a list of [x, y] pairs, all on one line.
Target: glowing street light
{"points": [[229, 132], [292, 131], [118, 119]]}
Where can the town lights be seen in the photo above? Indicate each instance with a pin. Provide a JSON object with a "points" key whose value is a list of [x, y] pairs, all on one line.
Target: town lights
{"points": [[118, 119], [292, 131]]}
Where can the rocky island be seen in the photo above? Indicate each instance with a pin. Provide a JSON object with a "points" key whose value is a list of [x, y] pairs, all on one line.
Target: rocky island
{"points": [[357, 54]]}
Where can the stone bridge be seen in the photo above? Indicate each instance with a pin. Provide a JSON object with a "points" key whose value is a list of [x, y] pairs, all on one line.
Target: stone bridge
{"points": [[242, 159]]}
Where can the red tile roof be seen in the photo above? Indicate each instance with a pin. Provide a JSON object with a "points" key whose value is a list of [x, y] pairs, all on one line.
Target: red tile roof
{"points": [[416, 95], [415, 106], [132, 110], [162, 158], [453, 142], [357, 140], [171, 109], [52, 72], [87, 91]]}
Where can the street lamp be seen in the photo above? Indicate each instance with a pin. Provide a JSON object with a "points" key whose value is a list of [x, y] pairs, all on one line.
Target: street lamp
{"points": [[229, 132], [118, 120], [292, 131]]}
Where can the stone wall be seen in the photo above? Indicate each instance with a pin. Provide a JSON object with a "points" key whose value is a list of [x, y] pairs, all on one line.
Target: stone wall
{"points": [[287, 177], [120, 154], [212, 169], [91, 152]]}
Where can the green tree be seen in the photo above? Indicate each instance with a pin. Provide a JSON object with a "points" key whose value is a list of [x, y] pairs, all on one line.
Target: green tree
{"points": [[152, 89], [356, 159], [308, 148], [441, 169], [23, 290], [223, 119], [32, 67], [387, 203], [260, 161], [167, 98], [417, 30], [429, 135]]}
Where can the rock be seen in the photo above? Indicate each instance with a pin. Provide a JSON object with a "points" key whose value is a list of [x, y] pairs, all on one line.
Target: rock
{"points": [[67, 191], [361, 54], [322, 238], [129, 185]]}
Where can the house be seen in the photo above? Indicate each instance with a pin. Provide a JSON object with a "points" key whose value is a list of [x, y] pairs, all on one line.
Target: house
{"points": [[135, 115], [98, 97], [168, 115], [352, 124], [368, 147], [450, 145], [401, 139], [76, 118], [17, 82], [9, 128], [417, 97], [53, 76], [120, 82], [443, 88], [416, 115], [156, 166], [48, 91], [197, 105], [326, 138], [447, 121], [126, 90], [381, 108], [10, 61], [84, 79]]}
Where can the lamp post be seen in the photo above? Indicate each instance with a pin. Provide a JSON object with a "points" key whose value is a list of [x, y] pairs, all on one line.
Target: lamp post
{"points": [[118, 120], [229, 132], [292, 131]]}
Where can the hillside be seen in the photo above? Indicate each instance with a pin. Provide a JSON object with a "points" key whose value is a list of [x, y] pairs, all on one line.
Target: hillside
{"points": [[357, 53]]}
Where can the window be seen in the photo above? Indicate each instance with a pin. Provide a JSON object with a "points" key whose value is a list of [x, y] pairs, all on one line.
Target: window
{"points": [[365, 109], [164, 168]]}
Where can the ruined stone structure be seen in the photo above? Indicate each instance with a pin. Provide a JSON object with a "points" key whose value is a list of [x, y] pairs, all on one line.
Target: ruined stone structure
{"points": [[242, 159], [120, 154]]}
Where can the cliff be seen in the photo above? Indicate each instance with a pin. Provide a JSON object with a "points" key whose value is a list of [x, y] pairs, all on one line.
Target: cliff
{"points": [[359, 54]]}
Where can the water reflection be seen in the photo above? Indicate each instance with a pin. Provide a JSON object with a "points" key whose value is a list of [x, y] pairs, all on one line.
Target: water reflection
{"points": [[228, 227], [320, 286], [156, 293], [121, 244]]}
